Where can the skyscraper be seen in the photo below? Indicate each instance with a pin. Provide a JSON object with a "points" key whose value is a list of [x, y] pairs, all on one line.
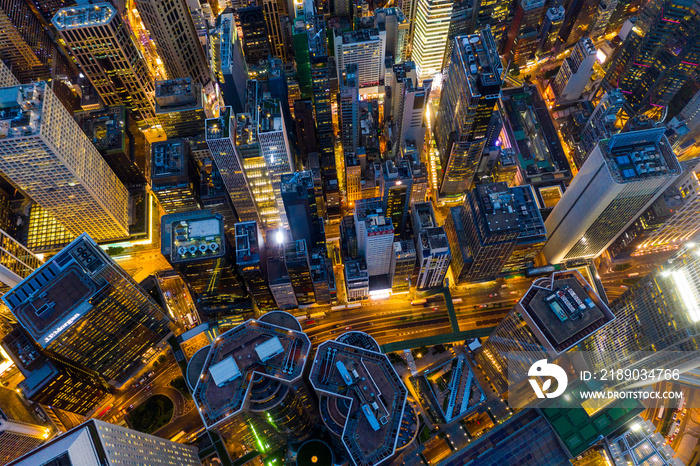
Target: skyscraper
{"points": [[532, 235], [396, 183], [251, 261], [364, 48], [619, 180], [394, 22], [575, 73], [491, 227], [52, 382], [174, 177], [18, 438], [299, 197], [604, 12], [658, 56], [80, 303], [403, 262], [578, 20], [600, 125], [432, 248], [228, 63], [432, 22], [171, 27], [369, 428], [408, 103], [349, 107], [256, 45], [656, 320], [64, 174], [684, 222], [279, 279], [468, 97], [297, 261], [276, 18], [98, 442], [553, 316], [182, 107], [249, 382], [221, 134], [196, 246], [521, 41], [549, 31], [375, 235], [305, 127], [121, 77]]}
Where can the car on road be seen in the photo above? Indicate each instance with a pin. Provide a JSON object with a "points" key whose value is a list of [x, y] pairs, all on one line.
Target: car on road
{"points": [[493, 295], [348, 328], [151, 374], [435, 308], [484, 305], [513, 292]]}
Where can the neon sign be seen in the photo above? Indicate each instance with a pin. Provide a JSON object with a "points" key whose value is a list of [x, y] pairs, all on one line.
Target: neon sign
{"points": [[61, 328]]}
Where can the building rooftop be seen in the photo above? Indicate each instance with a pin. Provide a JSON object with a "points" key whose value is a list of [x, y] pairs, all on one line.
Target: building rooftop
{"points": [[426, 217], [563, 309], [219, 128], [637, 155], [247, 247], [174, 95], [479, 57], [529, 217], [192, 236], [434, 240], [20, 110], [530, 131], [361, 35], [169, 158], [271, 350], [356, 269], [245, 129], [105, 128], [497, 207], [298, 182], [83, 16], [58, 294], [353, 374]]}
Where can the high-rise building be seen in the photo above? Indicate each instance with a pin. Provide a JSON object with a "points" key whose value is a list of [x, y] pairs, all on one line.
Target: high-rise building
{"points": [[277, 21], [555, 314], [80, 303], [521, 41], [403, 262], [196, 246], [121, 77], [468, 97], [170, 25], [532, 235], [491, 227], [685, 125], [375, 235], [432, 247], [305, 127], [252, 264], [549, 31], [603, 13], [460, 25], [619, 180], [279, 280], [457, 239], [321, 92], [7, 78], [364, 48], [108, 130], [578, 20], [18, 438], [341, 370], [221, 134], [684, 222], [98, 442], [174, 176], [26, 45], [182, 107], [349, 110], [297, 261], [432, 22], [248, 383], [408, 104], [575, 73], [600, 125], [394, 22], [258, 175], [228, 63], [256, 44], [656, 320], [213, 194], [52, 382], [658, 56], [396, 184], [300, 204], [64, 174]]}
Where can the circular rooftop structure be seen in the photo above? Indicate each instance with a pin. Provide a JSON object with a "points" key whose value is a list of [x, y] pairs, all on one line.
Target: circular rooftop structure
{"points": [[359, 339], [195, 365], [315, 453], [281, 319]]}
